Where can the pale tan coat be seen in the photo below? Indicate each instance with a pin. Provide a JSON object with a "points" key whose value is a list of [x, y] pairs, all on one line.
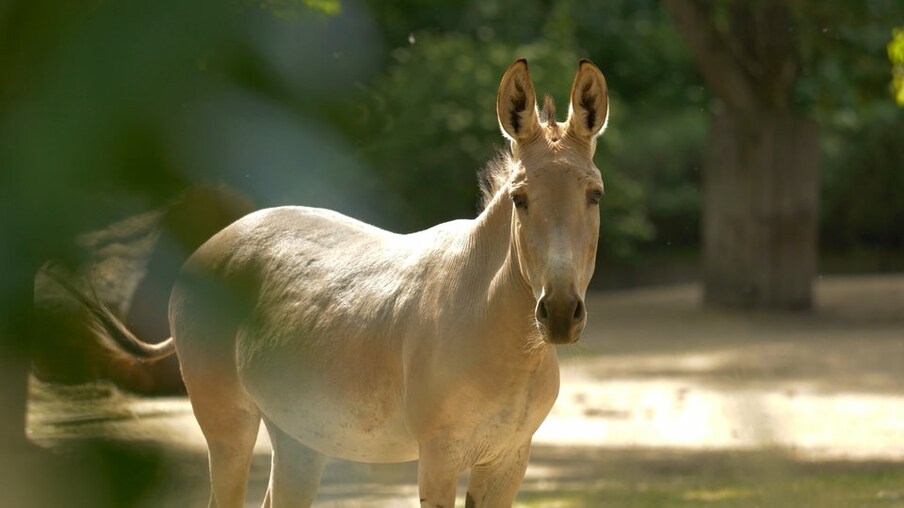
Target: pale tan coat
{"points": [[353, 342]]}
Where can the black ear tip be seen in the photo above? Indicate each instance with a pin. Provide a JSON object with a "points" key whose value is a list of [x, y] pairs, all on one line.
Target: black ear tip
{"points": [[585, 63], [518, 66]]}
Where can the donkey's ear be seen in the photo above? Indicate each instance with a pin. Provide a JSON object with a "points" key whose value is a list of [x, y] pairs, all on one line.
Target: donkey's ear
{"points": [[516, 104], [589, 108]]}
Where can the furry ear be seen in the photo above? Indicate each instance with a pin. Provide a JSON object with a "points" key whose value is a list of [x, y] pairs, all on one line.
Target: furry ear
{"points": [[516, 104], [589, 108]]}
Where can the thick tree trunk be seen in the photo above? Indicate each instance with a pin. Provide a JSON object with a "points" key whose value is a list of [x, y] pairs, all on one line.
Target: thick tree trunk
{"points": [[761, 173], [761, 192]]}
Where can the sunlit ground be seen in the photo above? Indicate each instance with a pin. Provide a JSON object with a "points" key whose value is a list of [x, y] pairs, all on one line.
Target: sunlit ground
{"points": [[663, 403]]}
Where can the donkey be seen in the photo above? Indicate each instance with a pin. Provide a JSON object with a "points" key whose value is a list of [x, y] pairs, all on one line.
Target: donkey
{"points": [[353, 342]]}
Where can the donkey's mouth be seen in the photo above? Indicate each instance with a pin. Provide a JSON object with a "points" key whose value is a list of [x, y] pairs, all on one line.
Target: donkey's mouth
{"points": [[560, 335], [560, 321], [559, 339]]}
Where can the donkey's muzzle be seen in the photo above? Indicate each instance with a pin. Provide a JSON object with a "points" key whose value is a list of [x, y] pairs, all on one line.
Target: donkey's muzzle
{"points": [[561, 318]]}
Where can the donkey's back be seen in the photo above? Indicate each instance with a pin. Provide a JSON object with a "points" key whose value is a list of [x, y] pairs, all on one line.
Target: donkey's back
{"points": [[300, 314]]}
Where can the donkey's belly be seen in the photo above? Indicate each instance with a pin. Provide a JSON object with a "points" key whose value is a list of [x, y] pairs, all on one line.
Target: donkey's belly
{"points": [[339, 431], [342, 401]]}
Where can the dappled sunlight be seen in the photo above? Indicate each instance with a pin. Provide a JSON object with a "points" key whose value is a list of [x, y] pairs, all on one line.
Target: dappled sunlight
{"points": [[753, 147], [735, 402], [660, 371], [99, 410], [668, 413]]}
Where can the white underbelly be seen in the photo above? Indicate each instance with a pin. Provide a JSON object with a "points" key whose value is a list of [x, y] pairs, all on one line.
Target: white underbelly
{"points": [[338, 432], [344, 412]]}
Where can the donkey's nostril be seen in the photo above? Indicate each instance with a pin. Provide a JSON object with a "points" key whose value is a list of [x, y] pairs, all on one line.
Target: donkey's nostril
{"points": [[560, 319], [579, 311], [542, 313]]}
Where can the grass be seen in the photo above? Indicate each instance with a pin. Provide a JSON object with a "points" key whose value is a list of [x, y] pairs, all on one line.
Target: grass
{"points": [[723, 480]]}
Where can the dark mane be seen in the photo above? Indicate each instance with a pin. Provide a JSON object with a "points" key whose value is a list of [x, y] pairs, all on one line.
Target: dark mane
{"points": [[494, 175], [548, 113]]}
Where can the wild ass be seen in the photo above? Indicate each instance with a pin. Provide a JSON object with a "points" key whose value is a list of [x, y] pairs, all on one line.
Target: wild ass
{"points": [[353, 342]]}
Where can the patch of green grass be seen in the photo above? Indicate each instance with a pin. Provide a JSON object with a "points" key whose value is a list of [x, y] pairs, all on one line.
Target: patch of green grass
{"points": [[720, 481]]}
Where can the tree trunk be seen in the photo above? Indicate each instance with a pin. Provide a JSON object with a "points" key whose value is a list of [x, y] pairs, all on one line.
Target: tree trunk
{"points": [[761, 173], [761, 197]]}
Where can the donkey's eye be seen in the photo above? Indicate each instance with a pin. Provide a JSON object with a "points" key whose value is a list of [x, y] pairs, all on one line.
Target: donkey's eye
{"points": [[520, 201], [594, 196]]}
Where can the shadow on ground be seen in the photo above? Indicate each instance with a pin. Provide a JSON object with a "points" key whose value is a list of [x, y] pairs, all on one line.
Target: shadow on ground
{"points": [[663, 404]]}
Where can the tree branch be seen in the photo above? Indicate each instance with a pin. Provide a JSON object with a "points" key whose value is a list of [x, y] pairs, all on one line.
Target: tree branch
{"points": [[724, 74]]}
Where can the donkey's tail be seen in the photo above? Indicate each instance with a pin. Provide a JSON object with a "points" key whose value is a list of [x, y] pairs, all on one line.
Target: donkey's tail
{"points": [[110, 329]]}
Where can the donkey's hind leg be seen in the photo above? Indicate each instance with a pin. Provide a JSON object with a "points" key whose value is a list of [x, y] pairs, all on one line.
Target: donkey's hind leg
{"points": [[296, 471], [230, 423], [230, 444]]}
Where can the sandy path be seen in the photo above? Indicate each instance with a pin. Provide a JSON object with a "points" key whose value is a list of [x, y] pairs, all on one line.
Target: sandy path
{"points": [[654, 372]]}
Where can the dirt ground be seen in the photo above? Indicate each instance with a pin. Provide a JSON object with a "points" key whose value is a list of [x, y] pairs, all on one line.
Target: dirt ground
{"points": [[663, 404]]}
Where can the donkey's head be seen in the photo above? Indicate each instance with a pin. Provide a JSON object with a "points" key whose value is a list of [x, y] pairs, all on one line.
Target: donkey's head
{"points": [[555, 190]]}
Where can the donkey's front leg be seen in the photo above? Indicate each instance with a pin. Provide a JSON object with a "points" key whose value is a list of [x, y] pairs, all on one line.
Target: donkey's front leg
{"points": [[496, 483], [437, 474]]}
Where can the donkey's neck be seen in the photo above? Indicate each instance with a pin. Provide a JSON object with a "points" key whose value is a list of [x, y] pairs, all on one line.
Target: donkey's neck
{"points": [[508, 310], [491, 240]]}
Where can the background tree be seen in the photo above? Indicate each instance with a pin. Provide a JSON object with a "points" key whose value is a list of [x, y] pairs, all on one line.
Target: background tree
{"points": [[761, 174], [762, 168]]}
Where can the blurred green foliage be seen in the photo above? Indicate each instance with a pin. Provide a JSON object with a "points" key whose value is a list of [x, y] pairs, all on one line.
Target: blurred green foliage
{"points": [[896, 57], [428, 117], [433, 124], [292, 9], [385, 110], [844, 85], [430, 120], [863, 182]]}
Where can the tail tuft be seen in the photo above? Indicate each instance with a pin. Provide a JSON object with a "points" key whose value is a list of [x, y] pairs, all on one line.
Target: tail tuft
{"points": [[110, 329]]}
